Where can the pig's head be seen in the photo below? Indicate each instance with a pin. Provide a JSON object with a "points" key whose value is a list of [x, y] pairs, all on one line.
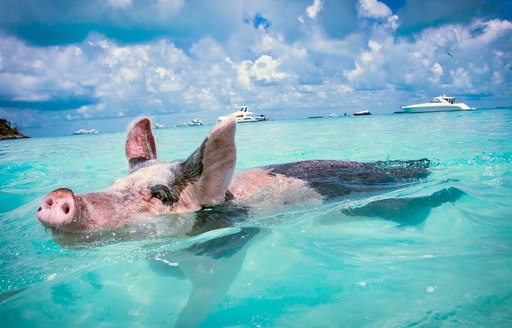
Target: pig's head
{"points": [[151, 187]]}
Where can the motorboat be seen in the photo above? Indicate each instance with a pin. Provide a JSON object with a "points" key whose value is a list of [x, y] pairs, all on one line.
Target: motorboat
{"points": [[437, 104], [194, 122], [243, 115], [362, 112], [159, 126], [83, 131], [261, 117]]}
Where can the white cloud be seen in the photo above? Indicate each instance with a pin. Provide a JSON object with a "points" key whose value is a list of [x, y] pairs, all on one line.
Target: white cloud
{"points": [[353, 74], [265, 69], [374, 45], [313, 10], [437, 69], [461, 79], [437, 72], [494, 29], [373, 9], [244, 76], [393, 22]]}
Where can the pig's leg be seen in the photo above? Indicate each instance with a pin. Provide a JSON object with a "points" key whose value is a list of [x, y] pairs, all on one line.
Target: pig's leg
{"points": [[212, 273], [218, 217], [406, 211], [211, 266]]}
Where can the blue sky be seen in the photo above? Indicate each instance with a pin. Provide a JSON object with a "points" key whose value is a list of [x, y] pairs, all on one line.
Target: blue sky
{"points": [[72, 64]]}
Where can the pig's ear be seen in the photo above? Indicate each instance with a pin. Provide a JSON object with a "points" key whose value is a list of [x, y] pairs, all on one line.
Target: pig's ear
{"points": [[210, 168], [140, 143]]}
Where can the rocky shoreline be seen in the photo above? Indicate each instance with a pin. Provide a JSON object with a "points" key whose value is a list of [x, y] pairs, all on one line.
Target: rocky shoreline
{"points": [[10, 132]]}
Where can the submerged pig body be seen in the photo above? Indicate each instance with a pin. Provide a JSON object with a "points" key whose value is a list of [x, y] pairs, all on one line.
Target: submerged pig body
{"points": [[207, 179]]}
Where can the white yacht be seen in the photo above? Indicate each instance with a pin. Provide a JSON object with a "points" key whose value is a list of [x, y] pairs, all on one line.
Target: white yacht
{"points": [[438, 104], [242, 115], [83, 131], [159, 126], [194, 122]]}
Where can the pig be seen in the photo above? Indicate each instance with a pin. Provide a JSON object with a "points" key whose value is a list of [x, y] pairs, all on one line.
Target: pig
{"points": [[205, 183]]}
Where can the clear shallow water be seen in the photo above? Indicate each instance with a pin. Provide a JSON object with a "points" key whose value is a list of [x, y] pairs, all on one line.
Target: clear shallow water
{"points": [[306, 267]]}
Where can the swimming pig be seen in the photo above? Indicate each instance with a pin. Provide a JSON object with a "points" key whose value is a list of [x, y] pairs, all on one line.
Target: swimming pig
{"points": [[205, 183]]}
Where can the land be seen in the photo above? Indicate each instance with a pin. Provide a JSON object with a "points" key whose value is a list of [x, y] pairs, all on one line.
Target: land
{"points": [[9, 131]]}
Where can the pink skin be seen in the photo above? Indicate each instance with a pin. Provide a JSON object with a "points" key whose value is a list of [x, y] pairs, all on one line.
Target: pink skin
{"points": [[58, 208], [157, 188]]}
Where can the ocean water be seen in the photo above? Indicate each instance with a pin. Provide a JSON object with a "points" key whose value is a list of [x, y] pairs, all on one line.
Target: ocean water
{"points": [[301, 267]]}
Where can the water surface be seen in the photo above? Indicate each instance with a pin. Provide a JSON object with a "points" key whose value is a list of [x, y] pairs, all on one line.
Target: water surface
{"points": [[305, 267]]}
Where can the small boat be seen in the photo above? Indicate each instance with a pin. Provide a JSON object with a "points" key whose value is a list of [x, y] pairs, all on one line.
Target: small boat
{"points": [[333, 115], [317, 116], [437, 104], [242, 115], [83, 131], [261, 117], [362, 112], [159, 126], [194, 122]]}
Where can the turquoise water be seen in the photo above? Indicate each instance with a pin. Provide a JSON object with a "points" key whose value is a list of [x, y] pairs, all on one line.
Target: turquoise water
{"points": [[306, 267]]}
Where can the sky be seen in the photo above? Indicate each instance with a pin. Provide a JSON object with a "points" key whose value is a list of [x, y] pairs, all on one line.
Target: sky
{"points": [[66, 65]]}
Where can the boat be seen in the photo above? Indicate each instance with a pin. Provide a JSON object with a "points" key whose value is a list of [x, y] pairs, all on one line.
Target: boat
{"points": [[194, 122], [159, 126], [437, 104], [362, 112], [83, 131], [242, 115], [333, 115], [261, 117]]}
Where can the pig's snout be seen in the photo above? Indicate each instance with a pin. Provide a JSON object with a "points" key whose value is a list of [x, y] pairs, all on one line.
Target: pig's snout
{"points": [[58, 208]]}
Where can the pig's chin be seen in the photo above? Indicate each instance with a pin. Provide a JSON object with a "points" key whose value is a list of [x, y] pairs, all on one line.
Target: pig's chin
{"points": [[56, 223]]}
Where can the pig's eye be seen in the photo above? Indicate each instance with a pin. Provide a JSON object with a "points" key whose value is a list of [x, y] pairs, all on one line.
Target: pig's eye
{"points": [[164, 194]]}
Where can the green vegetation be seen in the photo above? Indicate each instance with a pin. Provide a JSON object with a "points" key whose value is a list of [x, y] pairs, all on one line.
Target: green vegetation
{"points": [[9, 131]]}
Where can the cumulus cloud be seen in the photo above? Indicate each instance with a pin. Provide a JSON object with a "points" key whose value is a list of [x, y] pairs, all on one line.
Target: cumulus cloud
{"points": [[264, 69], [373, 9], [313, 10], [437, 72]]}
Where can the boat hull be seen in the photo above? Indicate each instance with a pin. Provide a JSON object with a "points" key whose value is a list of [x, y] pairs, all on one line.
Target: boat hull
{"points": [[439, 108], [241, 120], [243, 116], [362, 113]]}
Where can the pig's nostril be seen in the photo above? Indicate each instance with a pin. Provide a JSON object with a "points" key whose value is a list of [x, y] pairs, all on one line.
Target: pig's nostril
{"points": [[49, 202], [39, 209], [66, 208]]}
